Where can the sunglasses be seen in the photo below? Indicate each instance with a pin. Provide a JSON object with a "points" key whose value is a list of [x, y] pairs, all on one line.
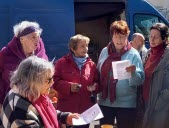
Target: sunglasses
{"points": [[49, 80]]}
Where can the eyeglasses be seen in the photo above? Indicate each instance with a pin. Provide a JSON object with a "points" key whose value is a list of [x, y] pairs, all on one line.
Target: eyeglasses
{"points": [[50, 80], [153, 37]]}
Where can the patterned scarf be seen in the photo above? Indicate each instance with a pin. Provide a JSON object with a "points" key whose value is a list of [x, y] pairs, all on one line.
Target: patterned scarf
{"points": [[107, 72]]}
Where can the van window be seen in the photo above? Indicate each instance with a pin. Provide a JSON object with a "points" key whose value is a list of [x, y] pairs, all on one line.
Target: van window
{"points": [[142, 23]]}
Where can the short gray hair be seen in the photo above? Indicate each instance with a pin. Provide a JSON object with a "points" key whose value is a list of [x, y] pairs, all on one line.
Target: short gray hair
{"points": [[20, 27], [137, 34], [74, 40], [30, 75]]}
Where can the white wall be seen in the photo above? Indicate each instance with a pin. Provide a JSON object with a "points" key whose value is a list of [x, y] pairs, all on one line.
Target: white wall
{"points": [[157, 2], [162, 5]]}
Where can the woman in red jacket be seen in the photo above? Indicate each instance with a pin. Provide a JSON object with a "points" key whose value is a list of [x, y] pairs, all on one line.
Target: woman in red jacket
{"points": [[75, 77]]}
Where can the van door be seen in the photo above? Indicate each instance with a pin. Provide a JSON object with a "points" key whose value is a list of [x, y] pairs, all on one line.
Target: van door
{"points": [[93, 19], [141, 16], [4, 23], [56, 18]]}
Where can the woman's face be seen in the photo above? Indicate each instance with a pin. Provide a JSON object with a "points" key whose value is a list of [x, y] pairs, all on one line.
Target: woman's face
{"points": [[120, 41], [155, 38], [30, 42], [47, 85], [81, 50]]}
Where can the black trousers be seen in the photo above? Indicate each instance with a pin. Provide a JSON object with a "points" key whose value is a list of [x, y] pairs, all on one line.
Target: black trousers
{"points": [[125, 117], [82, 126]]}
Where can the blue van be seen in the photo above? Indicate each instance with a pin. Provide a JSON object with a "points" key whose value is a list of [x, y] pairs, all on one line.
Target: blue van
{"points": [[61, 19]]}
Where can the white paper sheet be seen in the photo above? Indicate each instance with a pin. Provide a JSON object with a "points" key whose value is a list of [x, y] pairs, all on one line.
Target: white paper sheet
{"points": [[91, 114], [119, 71]]}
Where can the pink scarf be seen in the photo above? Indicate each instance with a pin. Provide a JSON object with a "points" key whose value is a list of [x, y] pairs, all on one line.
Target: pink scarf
{"points": [[106, 70], [47, 112]]}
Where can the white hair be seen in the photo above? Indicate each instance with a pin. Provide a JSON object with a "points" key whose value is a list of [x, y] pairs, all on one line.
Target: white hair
{"points": [[30, 75], [18, 28]]}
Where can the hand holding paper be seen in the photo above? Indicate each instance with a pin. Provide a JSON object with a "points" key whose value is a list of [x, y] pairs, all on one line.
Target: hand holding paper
{"points": [[131, 68], [89, 115], [119, 69]]}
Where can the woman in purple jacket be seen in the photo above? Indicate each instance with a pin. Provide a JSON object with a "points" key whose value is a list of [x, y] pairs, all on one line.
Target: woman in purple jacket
{"points": [[26, 42]]}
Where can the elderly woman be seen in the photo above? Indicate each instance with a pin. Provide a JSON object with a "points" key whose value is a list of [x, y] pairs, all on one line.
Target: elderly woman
{"points": [[156, 85], [27, 103], [76, 77], [26, 42], [118, 97]]}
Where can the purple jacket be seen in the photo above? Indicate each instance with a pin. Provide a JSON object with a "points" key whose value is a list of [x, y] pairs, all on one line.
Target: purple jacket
{"points": [[10, 57]]}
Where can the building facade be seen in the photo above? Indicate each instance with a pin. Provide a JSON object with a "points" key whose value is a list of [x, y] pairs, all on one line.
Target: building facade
{"points": [[162, 6]]}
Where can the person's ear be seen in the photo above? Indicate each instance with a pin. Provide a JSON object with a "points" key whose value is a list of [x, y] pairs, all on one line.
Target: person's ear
{"points": [[135, 42], [21, 39], [72, 50]]}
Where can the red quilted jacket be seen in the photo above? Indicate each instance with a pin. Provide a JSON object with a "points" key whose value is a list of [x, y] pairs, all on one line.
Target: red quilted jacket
{"points": [[66, 72]]}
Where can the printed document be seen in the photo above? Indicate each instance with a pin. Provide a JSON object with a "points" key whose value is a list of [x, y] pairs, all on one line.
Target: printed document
{"points": [[91, 114], [119, 71]]}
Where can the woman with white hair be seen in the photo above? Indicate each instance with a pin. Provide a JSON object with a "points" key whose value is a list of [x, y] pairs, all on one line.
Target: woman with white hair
{"points": [[27, 103], [26, 42]]}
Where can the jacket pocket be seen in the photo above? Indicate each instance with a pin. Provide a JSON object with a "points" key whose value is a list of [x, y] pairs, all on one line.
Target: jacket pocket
{"points": [[163, 101]]}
